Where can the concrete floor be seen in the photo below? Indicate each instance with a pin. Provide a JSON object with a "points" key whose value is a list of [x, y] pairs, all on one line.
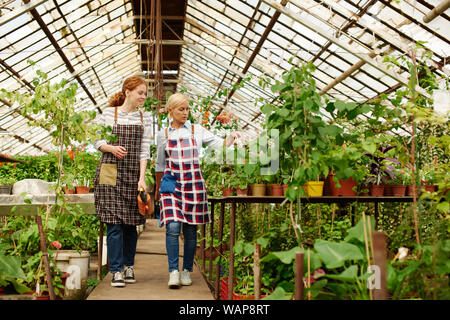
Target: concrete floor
{"points": [[152, 274]]}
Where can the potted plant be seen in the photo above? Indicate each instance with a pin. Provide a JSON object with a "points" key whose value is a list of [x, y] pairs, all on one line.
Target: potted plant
{"points": [[399, 183], [380, 169], [428, 178], [226, 181], [6, 184], [255, 179], [242, 181]]}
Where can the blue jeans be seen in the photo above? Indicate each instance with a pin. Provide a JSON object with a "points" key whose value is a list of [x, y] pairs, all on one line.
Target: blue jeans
{"points": [[173, 229], [121, 240]]}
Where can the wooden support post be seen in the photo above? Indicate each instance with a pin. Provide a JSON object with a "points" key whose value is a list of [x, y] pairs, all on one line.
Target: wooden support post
{"points": [[376, 215], [299, 270], [257, 271], [231, 264], [217, 283], [100, 251], [379, 258], [202, 246], [45, 256], [211, 245]]}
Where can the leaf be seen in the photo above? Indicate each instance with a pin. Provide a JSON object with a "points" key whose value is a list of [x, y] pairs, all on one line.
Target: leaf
{"points": [[266, 109], [284, 112], [369, 147], [278, 294], [357, 232], [349, 274], [263, 242], [334, 254], [287, 256], [249, 248], [443, 206], [340, 105], [11, 267]]}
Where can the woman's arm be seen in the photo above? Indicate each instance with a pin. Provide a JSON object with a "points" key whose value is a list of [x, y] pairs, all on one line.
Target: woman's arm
{"points": [[142, 169], [118, 151]]}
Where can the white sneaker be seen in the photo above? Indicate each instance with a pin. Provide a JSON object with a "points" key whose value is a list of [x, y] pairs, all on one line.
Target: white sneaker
{"points": [[117, 280], [185, 278], [174, 280]]}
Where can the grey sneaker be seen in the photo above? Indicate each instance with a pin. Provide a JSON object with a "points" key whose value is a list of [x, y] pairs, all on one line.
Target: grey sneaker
{"points": [[117, 280], [129, 275], [174, 280], [185, 278]]}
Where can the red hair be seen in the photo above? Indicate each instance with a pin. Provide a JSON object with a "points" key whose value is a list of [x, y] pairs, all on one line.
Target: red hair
{"points": [[129, 84]]}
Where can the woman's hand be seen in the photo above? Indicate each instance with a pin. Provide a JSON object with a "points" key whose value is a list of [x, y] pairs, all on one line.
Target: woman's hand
{"points": [[118, 151], [142, 184], [232, 137]]}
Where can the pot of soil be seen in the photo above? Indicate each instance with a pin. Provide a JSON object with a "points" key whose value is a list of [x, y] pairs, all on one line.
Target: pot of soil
{"points": [[81, 189], [227, 192], [398, 190], [277, 191], [428, 188], [314, 188], [346, 189], [5, 189], [388, 190], [241, 192], [258, 190], [410, 190], [376, 190], [363, 191]]}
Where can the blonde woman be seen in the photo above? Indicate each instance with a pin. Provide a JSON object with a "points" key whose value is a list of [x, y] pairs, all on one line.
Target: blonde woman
{"points": [[183, 195]]}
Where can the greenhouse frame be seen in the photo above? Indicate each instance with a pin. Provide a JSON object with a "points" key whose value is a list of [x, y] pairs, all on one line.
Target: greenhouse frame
{"points": [[346, 90]]}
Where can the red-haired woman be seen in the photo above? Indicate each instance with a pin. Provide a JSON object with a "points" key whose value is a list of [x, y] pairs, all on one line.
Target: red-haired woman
{"points": [[120, 174]]}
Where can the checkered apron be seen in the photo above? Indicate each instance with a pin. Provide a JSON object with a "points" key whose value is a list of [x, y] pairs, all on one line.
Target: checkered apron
{"points": [[189, 203], [118, 204]]}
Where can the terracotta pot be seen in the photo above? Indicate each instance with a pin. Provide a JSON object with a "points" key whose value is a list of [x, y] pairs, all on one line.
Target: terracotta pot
{"points": [[410, 190], [242, 192], [269, 188], [277, 191], [398, 190], [388, 190], [346, 189], [81, 189], [237, 296], [258, 190], [227, 192], [364, 194], [69, 191], [427, 188], [224, 288], [285, 186], [376, 190]]}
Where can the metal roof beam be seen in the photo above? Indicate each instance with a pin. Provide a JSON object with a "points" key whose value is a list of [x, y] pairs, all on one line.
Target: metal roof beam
{"points": [[255, 51], [59, 50], [437, 11], [18, 12], [330, 37]]}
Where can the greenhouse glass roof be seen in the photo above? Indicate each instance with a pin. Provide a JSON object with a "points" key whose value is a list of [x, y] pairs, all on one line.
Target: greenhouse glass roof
{"points": [[207, 46]]}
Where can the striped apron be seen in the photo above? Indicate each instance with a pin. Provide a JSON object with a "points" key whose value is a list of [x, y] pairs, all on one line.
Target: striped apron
{"points": [[189, 203], [116, 180]]}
